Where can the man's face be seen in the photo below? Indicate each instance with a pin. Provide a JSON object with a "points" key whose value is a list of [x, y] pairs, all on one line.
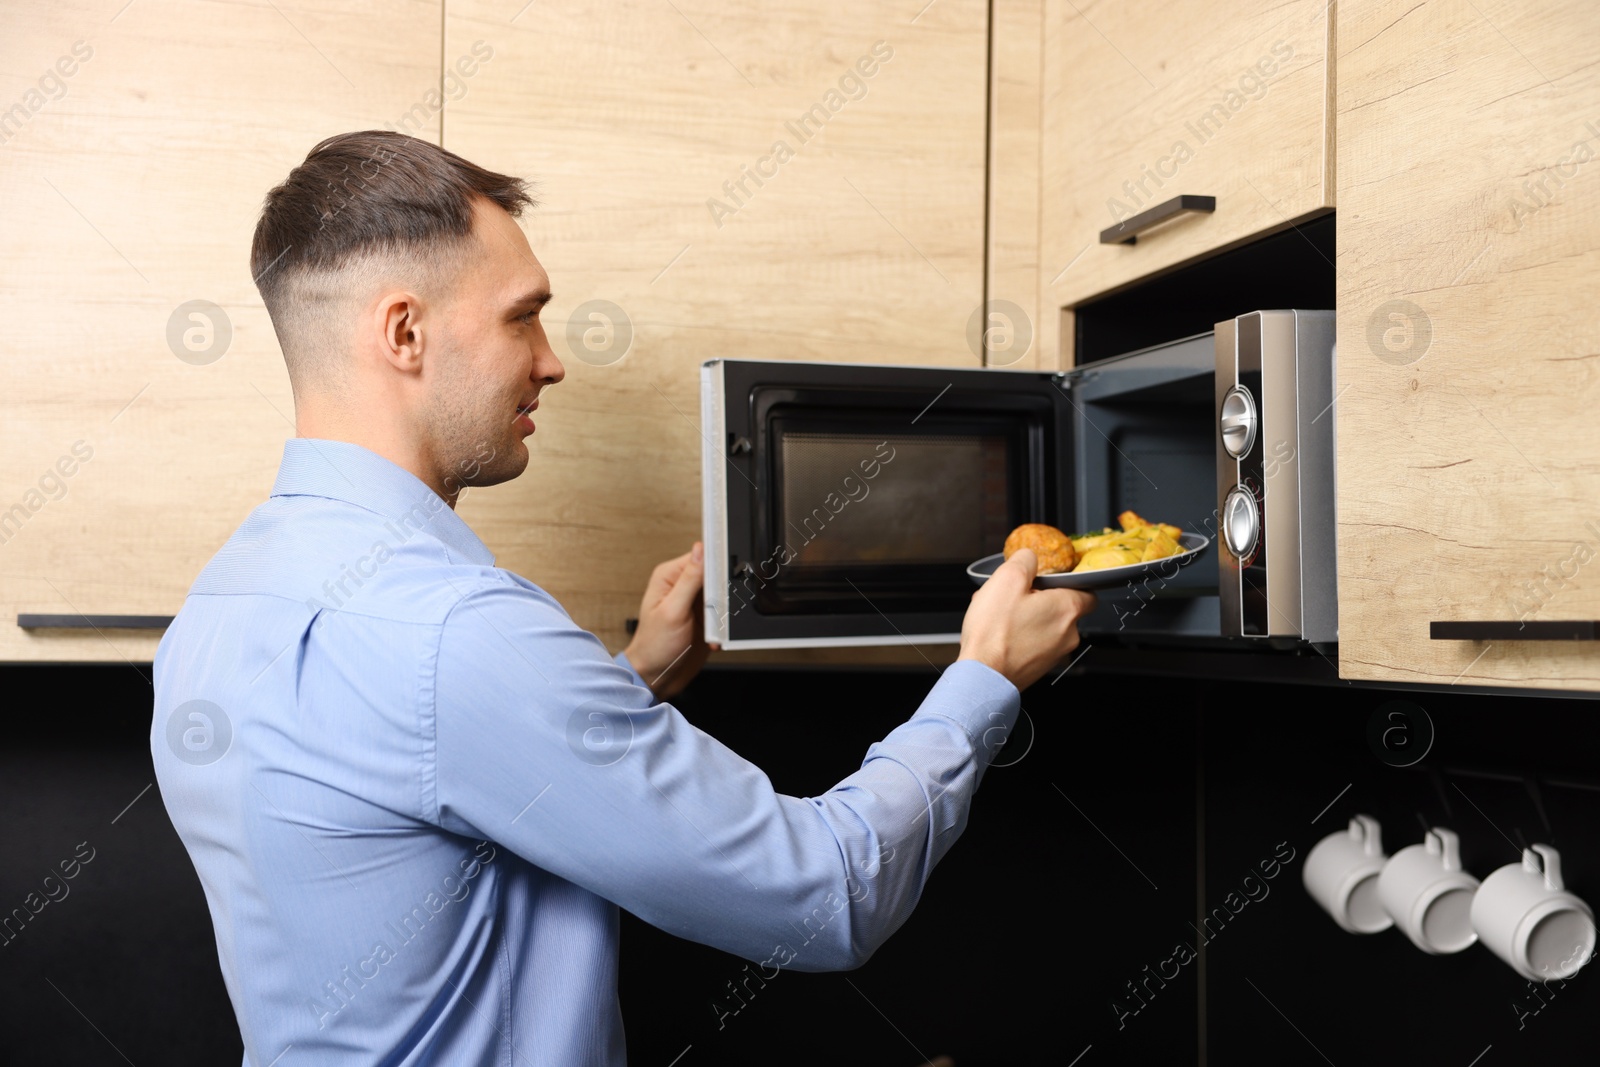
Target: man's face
{"points": [[495, 359]]}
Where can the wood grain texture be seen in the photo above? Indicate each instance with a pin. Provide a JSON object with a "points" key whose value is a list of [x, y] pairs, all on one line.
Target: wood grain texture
{"points": [[866, 245], [1469, 256], [1016, 75], [1145, 101], [134, 189]]}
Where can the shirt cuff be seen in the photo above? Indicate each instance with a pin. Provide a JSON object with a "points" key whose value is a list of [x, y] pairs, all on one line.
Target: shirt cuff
{"points": [[981, 700], [621, 659]]}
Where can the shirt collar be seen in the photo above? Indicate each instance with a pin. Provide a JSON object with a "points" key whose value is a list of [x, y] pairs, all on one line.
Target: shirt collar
{"points": [[340, 470]]}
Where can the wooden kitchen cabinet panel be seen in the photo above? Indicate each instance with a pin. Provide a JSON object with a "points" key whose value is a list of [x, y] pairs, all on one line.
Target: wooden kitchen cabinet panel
{"points": [[785, 181], [136, 146], [1016, 67], [1469, 258], [1145, 101]]}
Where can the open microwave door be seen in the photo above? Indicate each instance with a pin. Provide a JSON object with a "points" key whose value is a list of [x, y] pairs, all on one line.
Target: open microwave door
{"points": [[1143, 438]]}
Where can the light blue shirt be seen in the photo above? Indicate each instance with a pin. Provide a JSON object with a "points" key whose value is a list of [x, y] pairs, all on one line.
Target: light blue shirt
{"points": [[416, 794]]}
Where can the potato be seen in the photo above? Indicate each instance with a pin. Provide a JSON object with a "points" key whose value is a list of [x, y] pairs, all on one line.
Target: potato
{"points": [[1083, 544], [1137, 541], [1098, 559], [1160, 546]]}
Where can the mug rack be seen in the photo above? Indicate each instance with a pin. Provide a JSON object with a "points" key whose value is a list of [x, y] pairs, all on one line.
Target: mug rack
{"points": [[1522, 912]]}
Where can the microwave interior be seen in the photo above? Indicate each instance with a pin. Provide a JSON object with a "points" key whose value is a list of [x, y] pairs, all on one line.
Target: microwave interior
{"points": [[930, 499], [845, 502]]}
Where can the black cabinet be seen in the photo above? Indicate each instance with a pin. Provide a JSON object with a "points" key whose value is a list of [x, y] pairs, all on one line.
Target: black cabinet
{"points": [[1128, 887]]}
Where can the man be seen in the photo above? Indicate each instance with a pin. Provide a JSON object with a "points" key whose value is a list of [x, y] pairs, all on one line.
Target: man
{"points": [[415, 791]]}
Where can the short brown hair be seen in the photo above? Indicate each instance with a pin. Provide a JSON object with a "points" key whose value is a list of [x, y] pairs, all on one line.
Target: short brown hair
{"points": [[375, 193]]}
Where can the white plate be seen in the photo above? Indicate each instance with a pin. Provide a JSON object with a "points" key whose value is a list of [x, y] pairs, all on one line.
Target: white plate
{"points": [[1107, 578]]}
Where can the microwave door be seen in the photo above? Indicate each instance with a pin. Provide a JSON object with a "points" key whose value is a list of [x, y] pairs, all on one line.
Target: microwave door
{"points": [[1141, 439], [842, 503]]}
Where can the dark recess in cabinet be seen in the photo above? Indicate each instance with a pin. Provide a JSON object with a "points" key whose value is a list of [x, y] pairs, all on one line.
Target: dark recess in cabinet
{"points": [[1292, 268]]}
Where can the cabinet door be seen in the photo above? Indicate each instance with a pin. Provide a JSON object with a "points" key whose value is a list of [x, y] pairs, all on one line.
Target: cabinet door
{"points": [[1143, 102], [145, 402], [1469, 258], [798, 180]]}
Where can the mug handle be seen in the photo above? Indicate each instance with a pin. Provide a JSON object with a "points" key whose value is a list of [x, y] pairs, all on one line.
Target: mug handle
{"points": [[1551, 862], [1365, 829], [1447, 846]]}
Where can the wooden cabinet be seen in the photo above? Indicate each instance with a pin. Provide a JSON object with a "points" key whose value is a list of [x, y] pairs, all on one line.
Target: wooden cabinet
{"points": [[810, 183], [1016, 54], [803, 181], [1469, 256], [799, 182], [138, 429], [1143, 102]]}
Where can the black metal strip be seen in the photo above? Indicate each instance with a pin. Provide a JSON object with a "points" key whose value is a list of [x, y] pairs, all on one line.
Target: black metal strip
{"points": [[1127, 231], [94, 622], [1542, 630]]}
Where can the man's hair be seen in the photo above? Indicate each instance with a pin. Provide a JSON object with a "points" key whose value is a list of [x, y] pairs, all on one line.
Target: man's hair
{"points": [[364, 207]]}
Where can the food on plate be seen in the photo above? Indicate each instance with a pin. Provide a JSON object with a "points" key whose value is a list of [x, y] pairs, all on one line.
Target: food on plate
{"points": [[1098, 559], [1161, 545], [1139, 541], [1131, 521], [1085, 542], [1052, 546]]}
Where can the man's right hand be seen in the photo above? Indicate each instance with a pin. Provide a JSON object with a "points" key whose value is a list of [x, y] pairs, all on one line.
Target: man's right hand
{"points": [[1018, 630]]}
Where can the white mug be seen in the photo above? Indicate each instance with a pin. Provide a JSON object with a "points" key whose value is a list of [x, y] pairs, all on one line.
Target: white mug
{"points": [[1341, 874], [1428, 895], [1527, 918]]}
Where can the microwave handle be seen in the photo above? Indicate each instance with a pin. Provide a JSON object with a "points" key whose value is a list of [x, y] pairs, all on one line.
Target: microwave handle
{"points": [[1514, 630], [1127, 231]]}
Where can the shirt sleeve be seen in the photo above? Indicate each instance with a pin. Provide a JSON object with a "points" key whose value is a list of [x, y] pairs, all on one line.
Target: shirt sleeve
{"points": [[547, 745], [622, 661]]}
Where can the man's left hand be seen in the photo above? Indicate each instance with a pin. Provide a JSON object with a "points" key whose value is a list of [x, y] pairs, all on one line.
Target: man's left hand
{"points": [[668, 649]]}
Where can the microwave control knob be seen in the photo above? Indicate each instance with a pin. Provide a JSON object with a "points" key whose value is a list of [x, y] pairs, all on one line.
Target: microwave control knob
{"points": [[1238, 422], [1241, 522]]}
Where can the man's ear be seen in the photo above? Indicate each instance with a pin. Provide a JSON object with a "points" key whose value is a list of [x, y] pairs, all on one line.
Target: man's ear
{"points": [[399, 317]]}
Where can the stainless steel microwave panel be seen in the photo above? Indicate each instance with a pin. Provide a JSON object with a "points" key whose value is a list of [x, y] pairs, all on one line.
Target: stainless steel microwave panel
{"points": [[1314, 362], [714, 505], [1238, 514], [1274, 449]]}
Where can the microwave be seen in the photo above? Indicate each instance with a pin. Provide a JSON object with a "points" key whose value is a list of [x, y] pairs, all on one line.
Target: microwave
{"points": [[843, 503]]}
